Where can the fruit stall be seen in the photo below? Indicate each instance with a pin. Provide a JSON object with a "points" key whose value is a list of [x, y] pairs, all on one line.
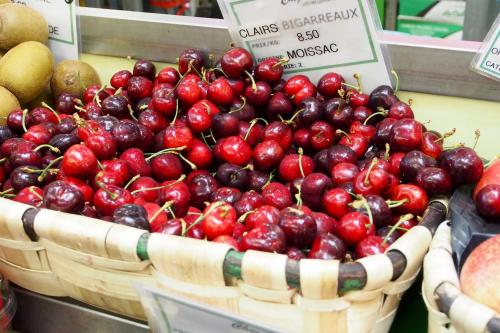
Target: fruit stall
{"points": [[166, 157]]}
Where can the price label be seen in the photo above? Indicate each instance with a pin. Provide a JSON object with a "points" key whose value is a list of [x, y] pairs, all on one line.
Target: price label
{"points": [[173, 314], [487, 61], [61, 18], [317, 36]]}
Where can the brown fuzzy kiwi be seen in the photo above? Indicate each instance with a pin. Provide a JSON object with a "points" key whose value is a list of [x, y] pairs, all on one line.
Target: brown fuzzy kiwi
{"points": [[8, 103], [26, 70], [73, 77], [19, 23]]}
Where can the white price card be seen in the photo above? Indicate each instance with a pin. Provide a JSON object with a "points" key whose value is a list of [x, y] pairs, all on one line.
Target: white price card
{"points": [[487, 60], [317, 36], [61, 18], [169, 313]]}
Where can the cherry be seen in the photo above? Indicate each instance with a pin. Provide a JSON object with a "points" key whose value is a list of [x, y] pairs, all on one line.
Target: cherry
{"points": [[219, 219], [24, 176], [406, 135], [384, 130], [327, 247], [63, 197], [371, 181], [267, 155], [236, 151], [120, 168], [295, 166], [120, 79], [361, 113], [252, 132], [241, 109], [158, 220], [322, 135], [488, 201], [266, 237], [138, 87], [300, 229], [191, 59], [226, 194], [79, 161], [262, 215], [152, 120], [144, 187], [31, 195], [236, 61], [344, 172], [357, 142], [367, 131], [432, 145], [340, 153], [220, 92], [5, 133], [463, 164], [415, 199], [354, 227], [66, 103], [377, 207], [168, 75], [107, 122], [324, 223], [132, 215], [277, 195], [259, 94], [388, 234], [434, 181], [166, 167], [144, 68], [201, 188], [189, 92], [279, 105], [127, 134], [15, 120], [225, 124], [25, 154], [357, 99], [178, 136], [395, 163], [96, 93], [136, 162], [83, 187], [258, 180], [279, 132], [249, 201], [41, 115], [330, 84], [312, 188], [294, 253], [336, 202], [400, 110], [177, 192], [109, 197], [369, 246], [270, 70], [198, 119], [103, 145], [338, 113], [404, 222], [233, 176], [116, 106], [302, 138], [199, 154], [164, 99], [382, 96], [412, 162]]}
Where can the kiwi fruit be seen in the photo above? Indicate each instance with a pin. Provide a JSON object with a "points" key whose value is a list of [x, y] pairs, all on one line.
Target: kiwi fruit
{"points": [[26, 70], [8, 102], [19, 23], [73, 77]]}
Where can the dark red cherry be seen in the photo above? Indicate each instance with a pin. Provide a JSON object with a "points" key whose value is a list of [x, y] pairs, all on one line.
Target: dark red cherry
{"points": [[168, 75], [330, 84], [382, 96], [300, 229], [344, 172], [463, 164], [145, 68], [412, 162], [327, 247], [406, 135], [434, 180], [262, 215], [267, 155], [259, 94], [138, 87], [233, 176], [312, 189], [191, 60], [127, 134], [226, 194], [279, 132], [338, 113], [279, 105], [488, 201], [201, 188], [324, 223], [265, 237], [295, 254], [338, 154], [269, 70], [370, 245], [236, 61], [400, 110], [63, 197], [220, 92]]}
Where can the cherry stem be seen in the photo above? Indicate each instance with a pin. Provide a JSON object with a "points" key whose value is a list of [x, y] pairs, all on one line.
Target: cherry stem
{"points": [[7, 191], [133, 179], [271, 176], [357, 76], [23, 120], [383, 113], [102, 186], [182, 157], [298, 196], [290, 121], [2, 160], [254, 85], [281, 62], [252, 124], [368, 209], [35, 193], [401, 220], [180, 179], [46, 169], [387, 150], [372, 164], [213, 207], [162, 208], [445, 135], [97, 99], [476, 139], [301, 152], [242, 106], [80, 109], [118, 91], [131, 112], [394, 204], [176, 111], [99, 165], [45, 105], [243, 217], [357, 88], [164, 151], [396, 76], [339, 131], [52, 148]]}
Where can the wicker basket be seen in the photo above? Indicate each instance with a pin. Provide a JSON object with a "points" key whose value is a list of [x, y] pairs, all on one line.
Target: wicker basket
{"points": [[95, 261], [450, 311]]}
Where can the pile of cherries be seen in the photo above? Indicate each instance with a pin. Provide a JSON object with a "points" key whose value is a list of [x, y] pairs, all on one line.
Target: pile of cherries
{"points": [[231, 152]]}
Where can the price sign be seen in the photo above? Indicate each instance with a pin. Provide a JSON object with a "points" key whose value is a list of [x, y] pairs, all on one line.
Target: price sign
{"points": [[317, 36], [173, 314], [487, 61], [61, 18]]}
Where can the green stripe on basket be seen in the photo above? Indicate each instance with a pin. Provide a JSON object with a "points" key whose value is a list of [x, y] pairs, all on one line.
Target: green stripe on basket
{"points": [[142, 246], [230, 267], [351, 284]]}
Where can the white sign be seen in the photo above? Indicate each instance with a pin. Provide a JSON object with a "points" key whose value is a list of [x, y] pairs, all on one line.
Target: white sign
{"points": [[172, 314], [317, 36], [487, 61], [61, 18]]}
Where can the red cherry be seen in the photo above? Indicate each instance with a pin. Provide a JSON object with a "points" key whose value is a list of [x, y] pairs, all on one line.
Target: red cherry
{"points": [[41, 115], [164, 99], [158, 220], [199, 154], [265, 237], [79, 161], [138, 87], [136, 162], [87, 191], [198, 119], [259, 94], [262, 215], [277, 195], [357, 142], [219, 219], [295, 84], [191, 60], [267, 155], [188, 92], [354, 227], [371, 181], [279, 132], [416, 199], [178, 136], [220, 92], [307, 91], [344, 173], [395, 162], [145, 187], [120, 79], [270, 70], [166, 167], [327, 247], [330, 84], [40, 134], [178, 192], [295, 166], [357, 99], [324, 223], [251, 133], [103, 145], [400, 110], [369, 246], [236, 151], [168, 75], [229, 240], [488, 201], [367, 131], [294, 253], [31, 195], [109, 197], [302, 138], [406, 135], [336, 202], [237, 85], [236, 61], [322, 135]]}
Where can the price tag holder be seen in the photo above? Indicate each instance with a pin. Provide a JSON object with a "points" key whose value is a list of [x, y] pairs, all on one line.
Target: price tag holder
{"points": [[61, 18], [487, 60], [317, 36], [174, 314]]}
